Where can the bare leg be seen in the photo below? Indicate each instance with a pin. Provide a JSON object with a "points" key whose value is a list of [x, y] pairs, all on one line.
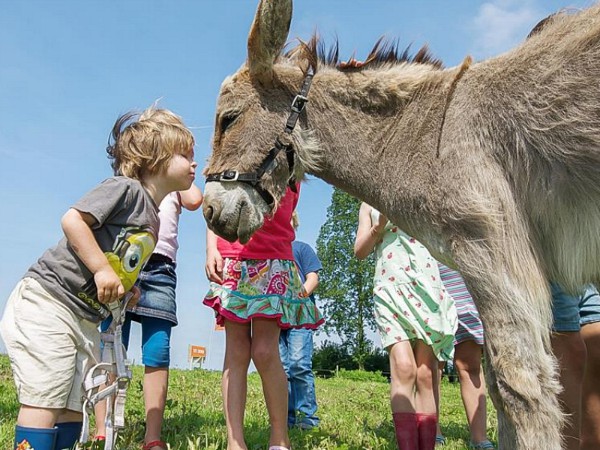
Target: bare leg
{"points": [[403, 373], [438, 395], [590, 420], [426, 382], [32, 417], [402, 395], [234, 382], [265, 354], [426, 387], [100, 413], [69, 416], [47, 429], [156, 381], [467, 358], [569, 349]]}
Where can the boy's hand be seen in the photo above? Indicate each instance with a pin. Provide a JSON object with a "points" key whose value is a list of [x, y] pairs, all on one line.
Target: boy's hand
{"points": [[108, 284], [214, 266]]}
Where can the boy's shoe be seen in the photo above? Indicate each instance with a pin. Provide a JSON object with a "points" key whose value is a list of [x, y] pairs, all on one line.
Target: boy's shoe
{"points": [[305, 426], [440, 440], [483, 445]]}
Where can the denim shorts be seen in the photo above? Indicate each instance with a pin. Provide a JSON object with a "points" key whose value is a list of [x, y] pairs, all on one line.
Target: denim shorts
{"points": [[157, 282], [570, 312]]}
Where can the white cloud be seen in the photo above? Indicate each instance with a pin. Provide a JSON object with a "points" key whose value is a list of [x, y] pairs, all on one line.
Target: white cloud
{"points": [[502, 24]]}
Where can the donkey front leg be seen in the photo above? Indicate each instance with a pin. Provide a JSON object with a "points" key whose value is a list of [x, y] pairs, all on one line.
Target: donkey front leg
{"points": [[523, 386], [514, 303]]}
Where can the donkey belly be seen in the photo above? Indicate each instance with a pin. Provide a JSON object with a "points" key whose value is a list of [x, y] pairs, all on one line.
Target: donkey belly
{"points": [[568, 232]]}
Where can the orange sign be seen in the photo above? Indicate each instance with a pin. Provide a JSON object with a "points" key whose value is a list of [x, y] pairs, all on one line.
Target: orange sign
{"points": [[197, 351]]}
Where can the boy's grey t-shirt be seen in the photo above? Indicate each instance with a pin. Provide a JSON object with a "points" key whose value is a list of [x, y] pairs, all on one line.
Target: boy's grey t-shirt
{"points": [[126, 231]]}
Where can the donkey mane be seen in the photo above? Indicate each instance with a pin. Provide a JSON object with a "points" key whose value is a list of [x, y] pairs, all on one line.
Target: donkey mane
{"points": [[385, 53]]}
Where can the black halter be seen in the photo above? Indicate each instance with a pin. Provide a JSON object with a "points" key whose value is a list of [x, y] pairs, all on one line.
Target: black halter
{"points": [[268, 164]]}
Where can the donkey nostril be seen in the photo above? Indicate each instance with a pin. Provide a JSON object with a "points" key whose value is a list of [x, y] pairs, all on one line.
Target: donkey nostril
{"points": [[208, 213]]}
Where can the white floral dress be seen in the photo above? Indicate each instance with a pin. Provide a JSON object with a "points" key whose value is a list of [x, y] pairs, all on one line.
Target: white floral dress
{"points": [[411, 302]]}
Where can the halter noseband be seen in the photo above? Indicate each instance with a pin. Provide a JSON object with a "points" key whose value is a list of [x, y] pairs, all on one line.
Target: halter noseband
{"points": [[268, 164]]}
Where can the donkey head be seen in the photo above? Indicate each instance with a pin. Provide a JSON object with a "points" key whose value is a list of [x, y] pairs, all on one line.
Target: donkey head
{"points": [[252, 109]]}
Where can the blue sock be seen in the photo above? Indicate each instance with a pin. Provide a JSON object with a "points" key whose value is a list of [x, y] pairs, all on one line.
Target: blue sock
{"points": [[35, 438], [68, 435]]}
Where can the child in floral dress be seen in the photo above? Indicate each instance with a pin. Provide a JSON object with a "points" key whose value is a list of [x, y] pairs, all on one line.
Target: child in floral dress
{"points": [[416, 320], [255, 291]]}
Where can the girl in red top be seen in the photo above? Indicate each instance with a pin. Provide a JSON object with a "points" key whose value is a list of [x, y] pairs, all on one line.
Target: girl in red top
{"points": [[255, 290]]}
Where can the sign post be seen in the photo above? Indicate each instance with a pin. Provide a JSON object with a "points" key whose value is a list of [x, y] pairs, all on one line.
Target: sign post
{"points": [[196, 356]]}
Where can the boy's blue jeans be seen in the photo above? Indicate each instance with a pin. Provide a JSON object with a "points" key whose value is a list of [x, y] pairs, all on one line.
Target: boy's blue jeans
{"points": [[296, 350]]}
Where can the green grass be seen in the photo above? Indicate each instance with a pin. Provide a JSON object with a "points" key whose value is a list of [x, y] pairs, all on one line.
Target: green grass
{"points": [[355, 415]]}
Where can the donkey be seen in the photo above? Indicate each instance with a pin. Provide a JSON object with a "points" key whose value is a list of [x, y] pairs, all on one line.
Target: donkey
{"points": [[492, 165]]}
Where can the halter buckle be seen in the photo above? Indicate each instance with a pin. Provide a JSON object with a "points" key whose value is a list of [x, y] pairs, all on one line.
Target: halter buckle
{"points": [[298, 103], [229, 175]]}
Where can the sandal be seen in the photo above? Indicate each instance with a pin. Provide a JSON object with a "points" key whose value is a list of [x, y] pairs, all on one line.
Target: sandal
{"points": [[277, 447], [149, 445], [440, 440], [483, 445]]}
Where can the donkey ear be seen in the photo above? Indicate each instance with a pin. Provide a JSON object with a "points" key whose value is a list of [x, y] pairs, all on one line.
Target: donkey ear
{"points": [[268, 34]]}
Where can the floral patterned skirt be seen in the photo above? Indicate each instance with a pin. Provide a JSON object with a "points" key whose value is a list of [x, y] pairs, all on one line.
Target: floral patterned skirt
{"points": [[420, 310], [262, 288]]}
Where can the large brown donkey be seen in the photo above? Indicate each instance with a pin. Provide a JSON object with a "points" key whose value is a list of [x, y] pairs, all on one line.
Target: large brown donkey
{"points": [[494, 166]]}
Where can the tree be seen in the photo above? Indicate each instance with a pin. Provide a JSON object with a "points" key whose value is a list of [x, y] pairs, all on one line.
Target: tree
{"points": [[345, 283], [329, 356]]}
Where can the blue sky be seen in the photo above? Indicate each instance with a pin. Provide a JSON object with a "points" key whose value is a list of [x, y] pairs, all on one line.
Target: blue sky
{"points": [[69, 68]]}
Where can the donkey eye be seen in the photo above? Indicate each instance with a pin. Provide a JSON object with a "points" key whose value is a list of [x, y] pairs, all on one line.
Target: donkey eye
{"points": [[226, 121]]}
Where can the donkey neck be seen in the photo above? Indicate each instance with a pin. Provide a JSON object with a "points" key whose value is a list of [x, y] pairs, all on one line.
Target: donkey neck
{"points": [[377, 129]]}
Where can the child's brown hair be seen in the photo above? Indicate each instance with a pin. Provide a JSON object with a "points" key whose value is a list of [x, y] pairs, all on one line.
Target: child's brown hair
{"points": [[145, 143]]}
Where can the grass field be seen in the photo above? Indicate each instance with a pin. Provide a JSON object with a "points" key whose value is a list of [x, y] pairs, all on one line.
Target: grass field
{"points": [[355, 415]]}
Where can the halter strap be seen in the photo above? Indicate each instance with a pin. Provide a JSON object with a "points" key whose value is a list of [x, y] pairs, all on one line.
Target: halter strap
{"points": [[268, 163], [109, 379]]}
